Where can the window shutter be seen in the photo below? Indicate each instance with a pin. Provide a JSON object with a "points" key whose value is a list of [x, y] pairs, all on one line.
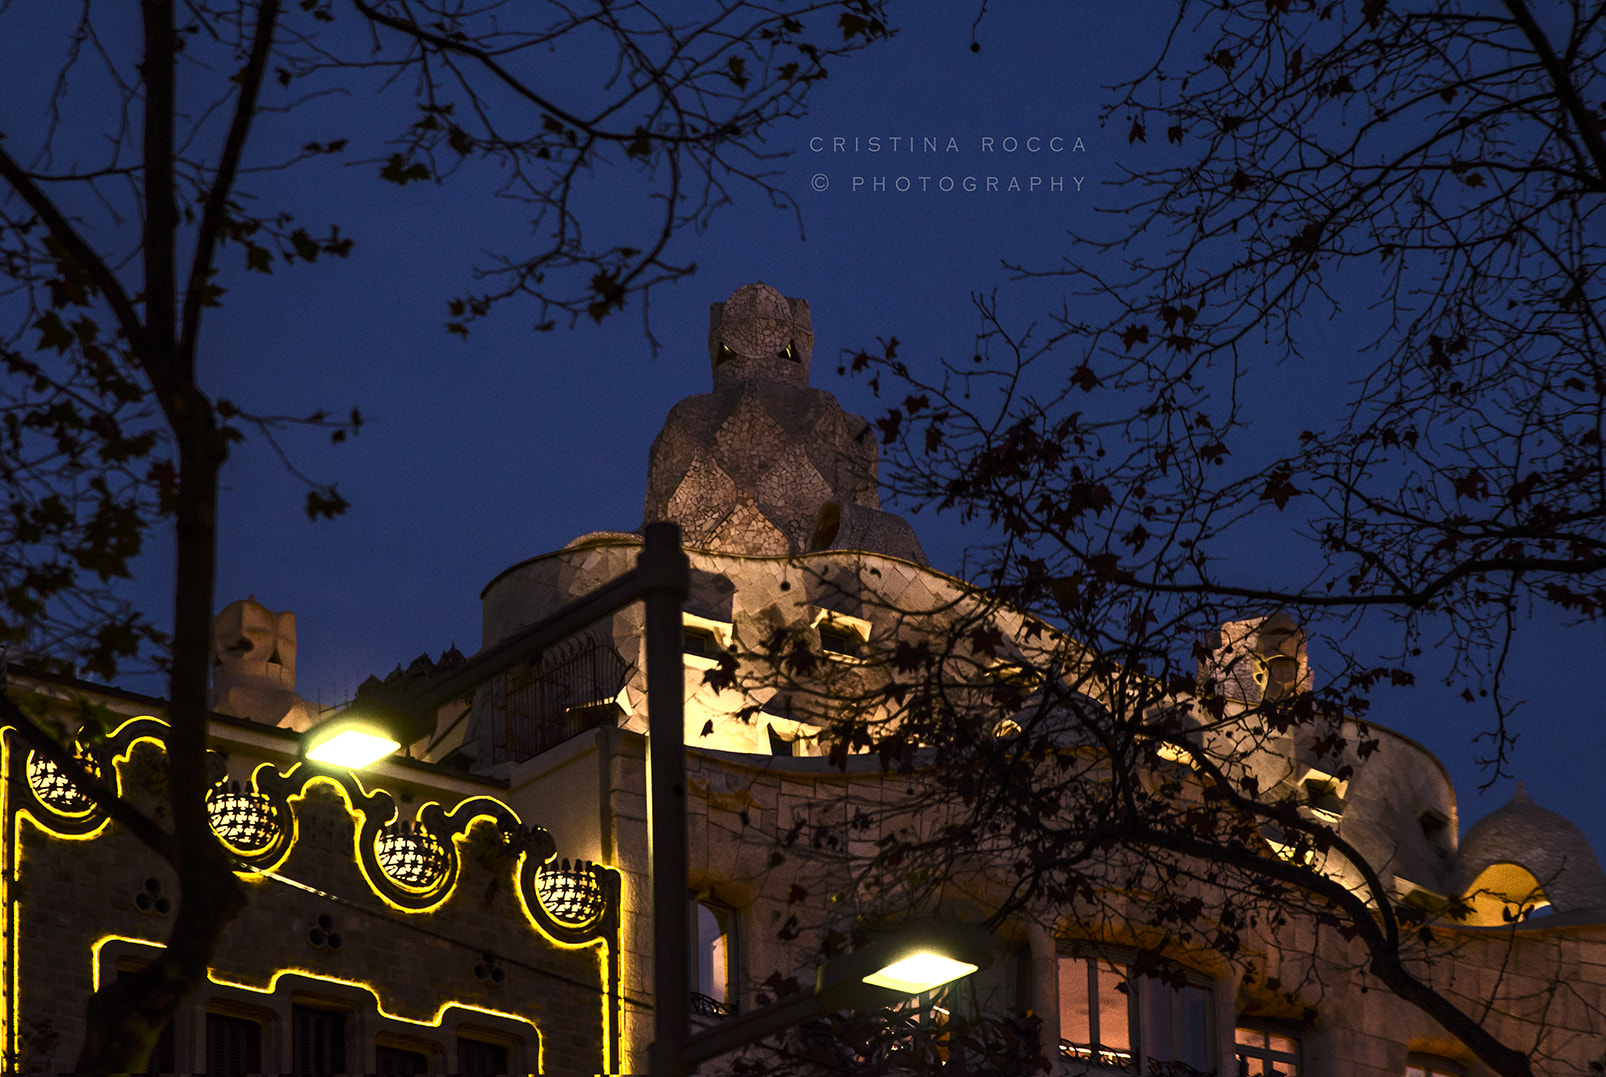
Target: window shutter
{"points": [[399, 1062], [476, 1058], [233, 1045], [318, 1041]]}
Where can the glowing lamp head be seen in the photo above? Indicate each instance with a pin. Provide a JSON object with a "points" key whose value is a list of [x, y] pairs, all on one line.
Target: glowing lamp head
{"points": [[919, 972], [379, 721], [350, 747], [910, 959]]}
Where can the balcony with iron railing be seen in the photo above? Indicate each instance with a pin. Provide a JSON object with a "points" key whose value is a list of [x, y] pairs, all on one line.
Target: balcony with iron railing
{"points": [[569, 690]]}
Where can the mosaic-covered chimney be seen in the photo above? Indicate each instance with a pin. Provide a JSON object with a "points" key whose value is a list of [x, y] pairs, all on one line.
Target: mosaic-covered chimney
{"points": [[767, 465]]}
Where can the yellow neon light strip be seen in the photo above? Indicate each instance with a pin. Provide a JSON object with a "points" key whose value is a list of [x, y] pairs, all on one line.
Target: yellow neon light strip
{"points": [[6, 925], [436, 1021], [8, 1034]]}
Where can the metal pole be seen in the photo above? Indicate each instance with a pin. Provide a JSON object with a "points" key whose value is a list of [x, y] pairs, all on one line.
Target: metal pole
{"points": [[665, 579]]}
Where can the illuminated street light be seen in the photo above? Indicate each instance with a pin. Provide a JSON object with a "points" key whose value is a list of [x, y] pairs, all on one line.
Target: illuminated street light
{"points": [[348, 747], [377, 723], [916, 958], [919, 973]]}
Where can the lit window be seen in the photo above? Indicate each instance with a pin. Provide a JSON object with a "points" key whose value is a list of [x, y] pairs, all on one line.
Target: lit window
{"points": [[1432, 1066], [1265, 1052], [699, 643], [842, 638], [835, 641], [713, 967], [1111, 1020], [1095, 1025], [704, 640]]}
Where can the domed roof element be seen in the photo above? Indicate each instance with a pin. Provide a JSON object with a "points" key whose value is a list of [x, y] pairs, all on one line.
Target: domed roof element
{"points": [[1545, 843], [758, 332]]}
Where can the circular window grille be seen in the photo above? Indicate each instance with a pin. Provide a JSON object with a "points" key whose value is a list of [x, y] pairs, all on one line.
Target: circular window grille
{"points": [[412, 856], [247, 821], [570, 894], [52, 787]]}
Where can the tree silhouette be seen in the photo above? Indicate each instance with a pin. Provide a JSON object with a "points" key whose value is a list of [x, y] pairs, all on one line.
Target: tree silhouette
{"points": [[1395, 213], [123, 213]]}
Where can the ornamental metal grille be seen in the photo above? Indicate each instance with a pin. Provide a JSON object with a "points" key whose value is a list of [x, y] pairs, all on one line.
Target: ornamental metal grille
{"points": [[247, 821], [565, 693], [570, 894], [707, 1006], [55, 789], [411, 855]]}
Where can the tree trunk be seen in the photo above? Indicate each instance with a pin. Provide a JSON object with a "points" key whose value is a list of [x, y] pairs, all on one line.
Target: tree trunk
{"points": [[126, 1016]]}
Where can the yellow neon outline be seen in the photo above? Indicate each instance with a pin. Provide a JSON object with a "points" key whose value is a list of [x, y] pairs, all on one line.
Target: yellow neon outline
{"points": [[117, 762], [294, 825], [606, 988], [356, 838], [9, 928], [437, 1021], [601, 955], [524, 907]]}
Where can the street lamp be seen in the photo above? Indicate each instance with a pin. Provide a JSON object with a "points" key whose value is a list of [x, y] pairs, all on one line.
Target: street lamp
{"points": [[378, 722], [916, 958]]}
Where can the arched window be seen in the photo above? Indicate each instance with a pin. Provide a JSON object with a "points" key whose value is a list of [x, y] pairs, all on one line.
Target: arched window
{"points": [[713, 967]]}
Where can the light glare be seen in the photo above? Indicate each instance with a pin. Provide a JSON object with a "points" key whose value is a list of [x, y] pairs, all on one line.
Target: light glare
{"points": [[919, 972], [352, 748]]}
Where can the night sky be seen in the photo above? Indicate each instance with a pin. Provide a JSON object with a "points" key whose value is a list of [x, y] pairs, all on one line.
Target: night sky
{"points": [[478, 454]]}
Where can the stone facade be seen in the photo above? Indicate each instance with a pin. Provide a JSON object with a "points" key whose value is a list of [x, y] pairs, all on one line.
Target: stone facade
{"points": [[774, 487]]}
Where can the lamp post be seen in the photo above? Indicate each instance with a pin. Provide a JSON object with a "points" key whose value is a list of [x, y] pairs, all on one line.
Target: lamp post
{"points": [[380, 721], [916, 959]]}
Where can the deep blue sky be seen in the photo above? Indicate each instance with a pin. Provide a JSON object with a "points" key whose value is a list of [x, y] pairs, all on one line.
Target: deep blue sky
{"points": [[479, 454]]}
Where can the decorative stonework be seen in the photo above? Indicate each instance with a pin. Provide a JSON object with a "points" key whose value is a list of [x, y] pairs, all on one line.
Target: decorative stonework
{"points": [[412, 856], [1258, 660], [413, 867], [54, 789], [245, 819], [572, 895]]}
